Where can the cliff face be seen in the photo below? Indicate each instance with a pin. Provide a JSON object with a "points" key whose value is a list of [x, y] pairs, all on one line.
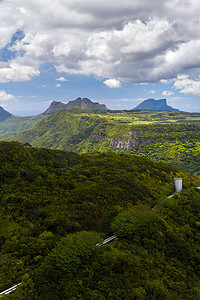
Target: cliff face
{"points": [[119, 143], [129, 144], [156, 105]]}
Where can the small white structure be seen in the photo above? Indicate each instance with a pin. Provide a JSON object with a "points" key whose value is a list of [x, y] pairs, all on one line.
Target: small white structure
{"points": [[10, 290], [178, 184]]}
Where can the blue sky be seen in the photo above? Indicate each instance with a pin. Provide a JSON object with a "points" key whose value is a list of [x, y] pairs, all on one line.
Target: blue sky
{"points": [[111, 52]]}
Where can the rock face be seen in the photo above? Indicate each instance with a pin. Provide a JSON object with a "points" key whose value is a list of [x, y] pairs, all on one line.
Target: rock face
{"points": [[4, 114], [83, 103], [129, 144], [156, 105]]}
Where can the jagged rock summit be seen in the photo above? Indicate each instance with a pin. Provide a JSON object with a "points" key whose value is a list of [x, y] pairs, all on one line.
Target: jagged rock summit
{"points": [[157, 105], [83, 103], [4, 114]]}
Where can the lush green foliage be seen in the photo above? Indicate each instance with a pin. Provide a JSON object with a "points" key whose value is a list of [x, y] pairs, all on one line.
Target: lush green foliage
{"points": [[128, 223], [121, 132], [16, 123], [56, 206], [159, 261]]}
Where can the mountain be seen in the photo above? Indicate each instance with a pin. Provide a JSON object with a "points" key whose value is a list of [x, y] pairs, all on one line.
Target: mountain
{"points": [[56, 206], [55, 106], [4, 114], [156, 105], [10, 123], [83, 103]]}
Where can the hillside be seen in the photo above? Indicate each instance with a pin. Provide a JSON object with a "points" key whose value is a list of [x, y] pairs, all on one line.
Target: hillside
{"points": [[163, 136], [155, 105], [10, 123], [55, 206], [15, 123], [4, 114]]}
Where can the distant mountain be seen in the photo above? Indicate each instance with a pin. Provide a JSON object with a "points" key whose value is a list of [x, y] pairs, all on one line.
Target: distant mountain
{"points": [[83, 103], [152, 104], [4, 114]]}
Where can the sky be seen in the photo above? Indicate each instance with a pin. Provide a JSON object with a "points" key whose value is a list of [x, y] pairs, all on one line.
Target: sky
{"points": [[114, 52]]}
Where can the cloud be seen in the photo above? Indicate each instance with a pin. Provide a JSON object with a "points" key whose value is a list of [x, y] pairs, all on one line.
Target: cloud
{"points": [[17, 70], [187, 85], [135, 41], [62, 79], [152, 92], [112, 83], [58, 85], [167, 93], [4, 96], [164, 81]]}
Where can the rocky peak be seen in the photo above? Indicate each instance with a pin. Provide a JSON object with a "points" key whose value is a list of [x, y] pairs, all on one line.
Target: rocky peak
{"points": [[157, 105], [83, 103]]}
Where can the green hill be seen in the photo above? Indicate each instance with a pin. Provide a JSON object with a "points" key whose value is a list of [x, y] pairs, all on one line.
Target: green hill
{"points": [[56, 206], [10, 123], [171, 137], [16, 123], [4, 114]]}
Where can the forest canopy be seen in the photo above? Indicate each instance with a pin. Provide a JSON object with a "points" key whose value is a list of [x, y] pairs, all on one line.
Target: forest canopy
{"points": [[57, 206]]}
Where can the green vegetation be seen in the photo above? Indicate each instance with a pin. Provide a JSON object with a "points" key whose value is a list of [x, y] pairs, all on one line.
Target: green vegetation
{"points": [[160, 136], [56, 206], [11, 123], [16, 123]]}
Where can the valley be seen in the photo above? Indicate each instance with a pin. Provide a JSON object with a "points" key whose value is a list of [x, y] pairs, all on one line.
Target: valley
{"points": [[70, 178]]}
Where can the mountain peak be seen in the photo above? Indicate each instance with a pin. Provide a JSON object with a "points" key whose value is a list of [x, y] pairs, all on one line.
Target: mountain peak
{"points": [[4, 114], [83, 103], [152, 104], [54, 106]]}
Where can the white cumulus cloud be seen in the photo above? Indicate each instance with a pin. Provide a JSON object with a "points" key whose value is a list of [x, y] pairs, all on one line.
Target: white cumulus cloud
{"points": [[187, 85], [112, 83], [152, 92], [132, 41], [4, 96], [62, 79], [167, 93]]}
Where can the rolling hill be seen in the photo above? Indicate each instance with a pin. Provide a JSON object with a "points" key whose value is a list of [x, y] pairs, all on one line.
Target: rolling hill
{"points": [[171, 137], [56, 206]]}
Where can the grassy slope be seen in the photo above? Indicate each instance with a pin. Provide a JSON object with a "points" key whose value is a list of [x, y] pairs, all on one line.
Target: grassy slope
{"points": [[16, 123]]}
